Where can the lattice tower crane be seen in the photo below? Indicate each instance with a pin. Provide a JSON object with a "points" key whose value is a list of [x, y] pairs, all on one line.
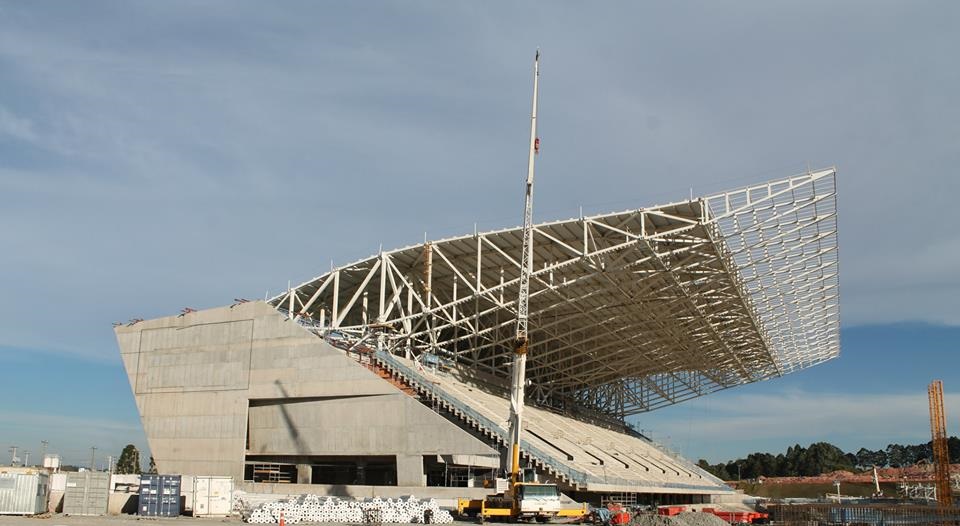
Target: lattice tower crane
{"points": [[941, 455]]}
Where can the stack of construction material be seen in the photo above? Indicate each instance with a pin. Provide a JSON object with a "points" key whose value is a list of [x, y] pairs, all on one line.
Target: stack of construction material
{"points": [[313, 508]]}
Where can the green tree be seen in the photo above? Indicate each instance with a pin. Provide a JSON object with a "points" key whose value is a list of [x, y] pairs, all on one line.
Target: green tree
{"points": [[781, 465], [129, 461], [718, 470], [953, 446], [153, 466], [867, 459], [791, 460], [822, 457], [897, 456]]}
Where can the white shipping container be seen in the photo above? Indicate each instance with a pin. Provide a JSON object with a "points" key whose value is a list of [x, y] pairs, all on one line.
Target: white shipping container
{"points": [[23, 494], [87, 493], [212, 496]]}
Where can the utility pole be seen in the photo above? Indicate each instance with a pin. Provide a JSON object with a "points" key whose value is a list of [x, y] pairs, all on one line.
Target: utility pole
{"points": [[13, 455], [93, 456]]}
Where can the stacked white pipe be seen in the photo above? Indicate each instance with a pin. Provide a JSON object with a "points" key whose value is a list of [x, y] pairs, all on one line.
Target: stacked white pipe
{"points": [[313, 508]]}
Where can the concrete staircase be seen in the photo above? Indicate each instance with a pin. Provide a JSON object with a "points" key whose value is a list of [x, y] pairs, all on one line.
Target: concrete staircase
{"points": [[385, 373], [474, 420], [577, 454]]}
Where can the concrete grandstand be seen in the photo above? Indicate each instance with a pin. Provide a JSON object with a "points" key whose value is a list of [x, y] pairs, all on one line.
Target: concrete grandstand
{"points": [[390, 372]]}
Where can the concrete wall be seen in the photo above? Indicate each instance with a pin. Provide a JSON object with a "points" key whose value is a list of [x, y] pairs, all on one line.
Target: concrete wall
{"points": [[194, 376], [356, 425]]}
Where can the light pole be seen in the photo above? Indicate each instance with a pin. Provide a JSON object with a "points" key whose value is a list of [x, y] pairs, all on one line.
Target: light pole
{"points": [[738, 471]]}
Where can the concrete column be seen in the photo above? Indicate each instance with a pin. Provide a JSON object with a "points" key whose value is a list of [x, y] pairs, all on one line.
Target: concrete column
{"points": [[304, 473], [238, 471], [361, 472], [410, 471]]}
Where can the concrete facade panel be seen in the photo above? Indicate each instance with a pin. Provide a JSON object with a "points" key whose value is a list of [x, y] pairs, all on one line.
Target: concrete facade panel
{"points": [[208, 356], [131, 364], [223, 333], [363, 425], [196, 376], [129, 342]]}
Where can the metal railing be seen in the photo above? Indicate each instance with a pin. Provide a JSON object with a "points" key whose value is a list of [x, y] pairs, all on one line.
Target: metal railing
{"points": [[573, 476]]}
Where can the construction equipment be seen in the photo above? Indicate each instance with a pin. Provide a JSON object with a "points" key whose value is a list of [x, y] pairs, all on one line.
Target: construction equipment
{"points": [[522, 500], [877, 492], [941, 455], [611, 514]]}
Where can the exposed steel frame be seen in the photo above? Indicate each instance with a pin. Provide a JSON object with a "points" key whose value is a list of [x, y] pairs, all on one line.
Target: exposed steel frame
{"points": [[628, 311]]}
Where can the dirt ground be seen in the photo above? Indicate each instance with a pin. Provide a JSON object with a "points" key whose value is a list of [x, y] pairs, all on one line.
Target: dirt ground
{"points": [[111, 520], [133, 520]]}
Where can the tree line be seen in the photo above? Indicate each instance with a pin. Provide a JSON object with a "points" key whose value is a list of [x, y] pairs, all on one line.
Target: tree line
{"points": [[823, 457], [129, 461]]}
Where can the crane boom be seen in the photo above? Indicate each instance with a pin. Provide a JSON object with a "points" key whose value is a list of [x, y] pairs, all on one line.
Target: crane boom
{"points": [[523, 302], [524, 500]]}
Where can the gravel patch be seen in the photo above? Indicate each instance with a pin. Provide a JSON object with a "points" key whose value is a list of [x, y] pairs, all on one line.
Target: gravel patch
{"points": [[648, 519], [689, 518]]}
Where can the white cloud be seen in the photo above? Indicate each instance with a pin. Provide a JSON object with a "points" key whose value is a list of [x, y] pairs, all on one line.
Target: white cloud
{"points": [[15, 126], [187, 163]]}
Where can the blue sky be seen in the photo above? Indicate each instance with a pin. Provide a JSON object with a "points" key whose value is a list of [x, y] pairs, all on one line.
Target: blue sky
{"points": [[873, 395], [158, 155]]}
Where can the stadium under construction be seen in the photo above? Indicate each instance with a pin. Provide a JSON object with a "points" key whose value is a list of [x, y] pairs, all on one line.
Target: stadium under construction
{"points": [[394, 371]]}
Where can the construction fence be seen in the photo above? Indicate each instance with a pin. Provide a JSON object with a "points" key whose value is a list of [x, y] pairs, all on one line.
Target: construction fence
{"points": [[865, 515]]}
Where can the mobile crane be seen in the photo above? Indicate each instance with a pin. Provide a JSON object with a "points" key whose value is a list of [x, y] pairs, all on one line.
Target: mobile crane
{"points": [[522, 500]]}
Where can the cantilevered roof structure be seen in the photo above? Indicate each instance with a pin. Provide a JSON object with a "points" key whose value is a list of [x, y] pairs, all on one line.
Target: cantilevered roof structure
{"points": [[629, 311]]}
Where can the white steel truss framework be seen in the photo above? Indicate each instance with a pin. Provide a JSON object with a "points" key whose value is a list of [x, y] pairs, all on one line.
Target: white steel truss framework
{"points": [[629, 311]]}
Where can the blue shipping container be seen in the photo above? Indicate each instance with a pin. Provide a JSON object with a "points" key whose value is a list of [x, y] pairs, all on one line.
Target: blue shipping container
{"points": [[159, 495]]}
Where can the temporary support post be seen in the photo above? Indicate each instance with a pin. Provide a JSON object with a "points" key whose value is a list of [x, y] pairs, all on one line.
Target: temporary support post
{"points": [[383, 287], [335, 313], [290, 294]]}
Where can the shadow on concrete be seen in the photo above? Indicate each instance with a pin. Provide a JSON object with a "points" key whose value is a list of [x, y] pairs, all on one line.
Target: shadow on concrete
{"points": [[291, 426]]}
